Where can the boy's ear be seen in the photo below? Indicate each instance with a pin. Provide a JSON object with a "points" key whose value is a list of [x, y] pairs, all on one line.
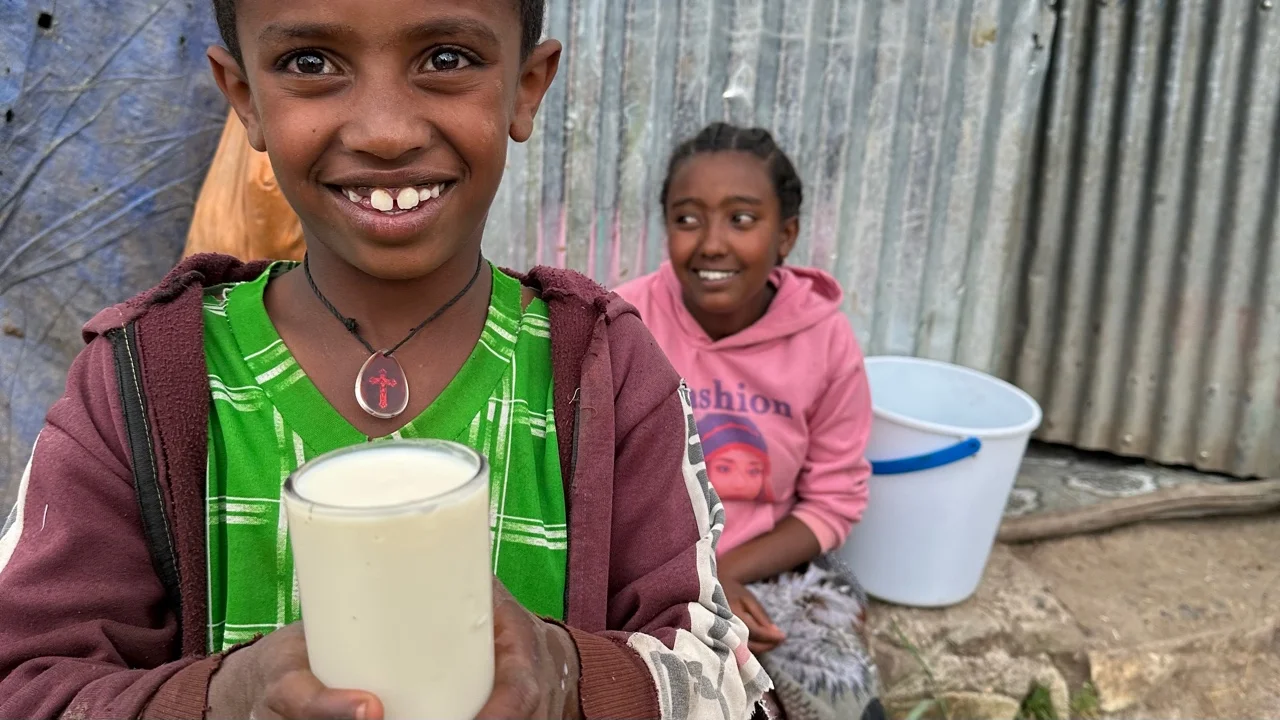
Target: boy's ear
{"points": [[231, 81], [536, 75], [790, 232]]}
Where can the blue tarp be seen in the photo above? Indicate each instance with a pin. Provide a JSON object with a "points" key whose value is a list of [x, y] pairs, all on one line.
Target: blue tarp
{"points": [[108, 120]]}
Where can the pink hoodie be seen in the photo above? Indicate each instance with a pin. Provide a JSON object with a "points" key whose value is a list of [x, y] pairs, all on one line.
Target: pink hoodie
{"points": [[783, 407]]}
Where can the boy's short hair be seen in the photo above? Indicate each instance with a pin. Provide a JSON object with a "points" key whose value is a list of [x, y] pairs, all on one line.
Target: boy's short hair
{"points": [[532, 13]]}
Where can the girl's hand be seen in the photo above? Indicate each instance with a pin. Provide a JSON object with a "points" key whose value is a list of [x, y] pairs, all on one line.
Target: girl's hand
{"points": [[764, 635], [272, 679], [535, 663]]}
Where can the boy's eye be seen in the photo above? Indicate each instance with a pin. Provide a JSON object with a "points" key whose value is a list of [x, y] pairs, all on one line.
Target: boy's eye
{"points": [[446, 60], [686, 221], [309, 63], [743, 218]]}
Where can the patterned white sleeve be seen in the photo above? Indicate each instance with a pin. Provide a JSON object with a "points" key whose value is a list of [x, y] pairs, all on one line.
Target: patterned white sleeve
{"points": [[709, 673]]}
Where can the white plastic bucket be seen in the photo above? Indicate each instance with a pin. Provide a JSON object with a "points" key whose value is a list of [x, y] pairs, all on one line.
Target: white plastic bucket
{"points": [[946, 443]]}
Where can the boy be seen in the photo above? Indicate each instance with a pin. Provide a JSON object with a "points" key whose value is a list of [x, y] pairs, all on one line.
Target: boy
{"points": [[145, 545]]}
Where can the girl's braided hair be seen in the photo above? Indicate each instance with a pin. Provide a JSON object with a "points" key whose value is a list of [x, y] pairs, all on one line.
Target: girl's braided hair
{"points": [[722, 137], [532, 13]]}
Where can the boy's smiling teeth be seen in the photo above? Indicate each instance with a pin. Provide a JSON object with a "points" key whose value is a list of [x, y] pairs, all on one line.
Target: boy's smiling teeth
{"points": [[393, 200], [407, 199]]}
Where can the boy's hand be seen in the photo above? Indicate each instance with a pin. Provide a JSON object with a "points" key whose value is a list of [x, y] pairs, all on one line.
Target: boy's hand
{"points": [[536, 675], [764, 635], [535, 665], [272, 679]]}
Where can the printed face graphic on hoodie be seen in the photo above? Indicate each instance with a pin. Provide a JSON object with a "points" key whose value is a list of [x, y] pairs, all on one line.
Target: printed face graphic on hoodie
{"points": [[737, 457]]}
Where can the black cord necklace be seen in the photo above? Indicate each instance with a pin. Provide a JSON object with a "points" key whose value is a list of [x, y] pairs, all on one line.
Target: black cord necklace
{"points": [[382, 387]]}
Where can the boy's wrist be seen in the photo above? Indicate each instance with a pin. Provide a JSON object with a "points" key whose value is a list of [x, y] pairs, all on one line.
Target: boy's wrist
{"points": [[564, 653], [234, 686]]}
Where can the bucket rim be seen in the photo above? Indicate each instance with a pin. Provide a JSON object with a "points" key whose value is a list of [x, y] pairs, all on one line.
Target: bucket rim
{"points": [[1026, 428]]}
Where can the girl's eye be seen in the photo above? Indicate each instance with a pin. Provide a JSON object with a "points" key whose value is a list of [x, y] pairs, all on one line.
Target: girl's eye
{"points": [[446, 60], [743, 218], [309, 64], [686, 220]]}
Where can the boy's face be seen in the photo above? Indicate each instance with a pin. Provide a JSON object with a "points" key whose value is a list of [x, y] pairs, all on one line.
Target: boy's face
{"points": [[386, 122]]}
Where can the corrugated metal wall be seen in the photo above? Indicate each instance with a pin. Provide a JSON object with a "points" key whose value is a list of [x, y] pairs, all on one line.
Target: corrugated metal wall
{"points": [[908, 120], [1125, 268], [1149, 312]]}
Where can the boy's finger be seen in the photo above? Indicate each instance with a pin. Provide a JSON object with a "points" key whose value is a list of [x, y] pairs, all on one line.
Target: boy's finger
{"points": [[343, 705], [300, 694]]}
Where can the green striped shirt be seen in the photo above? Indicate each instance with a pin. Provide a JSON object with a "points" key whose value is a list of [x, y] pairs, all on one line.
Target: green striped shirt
{"points": [[267, 418]]}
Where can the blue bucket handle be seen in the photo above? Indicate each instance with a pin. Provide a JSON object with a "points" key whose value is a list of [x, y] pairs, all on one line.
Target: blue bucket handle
{"points": [[966, 448]]}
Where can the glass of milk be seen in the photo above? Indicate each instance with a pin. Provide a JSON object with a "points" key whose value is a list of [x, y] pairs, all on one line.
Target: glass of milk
{"points": [[391, 548]]}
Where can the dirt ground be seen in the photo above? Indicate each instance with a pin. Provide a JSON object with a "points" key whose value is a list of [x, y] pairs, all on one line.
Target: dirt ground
{"points": [[1167, 620]]}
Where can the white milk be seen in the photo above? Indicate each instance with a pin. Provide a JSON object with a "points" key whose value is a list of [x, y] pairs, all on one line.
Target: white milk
{"points": [[391, 546]]}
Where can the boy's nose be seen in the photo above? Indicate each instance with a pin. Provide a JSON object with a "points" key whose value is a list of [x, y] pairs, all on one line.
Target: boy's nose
{"points": [[383, 123]]}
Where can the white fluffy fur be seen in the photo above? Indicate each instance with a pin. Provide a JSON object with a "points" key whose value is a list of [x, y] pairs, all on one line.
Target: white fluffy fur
{"points": [[822, 611]]}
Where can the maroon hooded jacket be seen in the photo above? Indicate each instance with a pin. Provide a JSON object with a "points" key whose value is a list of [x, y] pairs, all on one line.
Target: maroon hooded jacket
{"points": [[103, 598]]}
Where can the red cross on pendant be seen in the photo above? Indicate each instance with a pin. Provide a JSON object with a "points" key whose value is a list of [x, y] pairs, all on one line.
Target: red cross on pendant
{"points": [[382, 389], [383, 382]]}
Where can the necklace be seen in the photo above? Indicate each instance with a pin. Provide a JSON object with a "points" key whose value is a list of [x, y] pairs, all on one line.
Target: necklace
{"points": [[382, 387]]}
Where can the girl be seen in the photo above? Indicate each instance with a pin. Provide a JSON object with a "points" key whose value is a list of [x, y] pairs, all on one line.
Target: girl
{"points": [[783, 407], [146, 555]]}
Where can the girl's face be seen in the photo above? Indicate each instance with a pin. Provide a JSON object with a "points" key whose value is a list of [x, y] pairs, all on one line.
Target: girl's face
{"points": [[738, 474], [725, 234]]}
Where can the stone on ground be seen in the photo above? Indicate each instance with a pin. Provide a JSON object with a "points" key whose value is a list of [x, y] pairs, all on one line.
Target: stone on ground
{"points": [[1168, 620]]}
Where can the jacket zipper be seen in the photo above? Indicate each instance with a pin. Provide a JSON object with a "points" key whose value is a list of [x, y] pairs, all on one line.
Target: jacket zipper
{"points": [[146, 471], [571, 481]]}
